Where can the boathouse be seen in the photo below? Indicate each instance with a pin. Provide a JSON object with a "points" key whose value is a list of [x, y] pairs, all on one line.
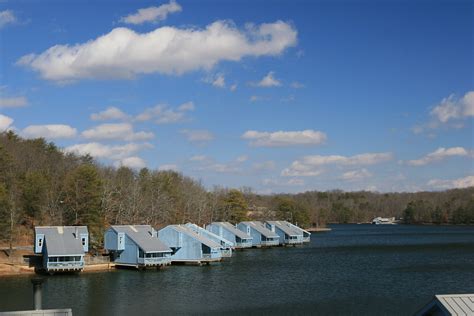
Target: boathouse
{"points": [[261, 236], [288, 235], [230, 232], [226, 245], [62, 247], [447, 305], [306, 234], [188, 246], [136, 245]]}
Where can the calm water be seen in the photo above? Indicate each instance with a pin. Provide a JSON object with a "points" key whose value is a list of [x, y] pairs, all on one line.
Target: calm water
{"points": [[353, 270]]}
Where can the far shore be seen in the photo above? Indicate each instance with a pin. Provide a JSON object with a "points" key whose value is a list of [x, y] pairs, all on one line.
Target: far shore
{"points": [[318, 229]]}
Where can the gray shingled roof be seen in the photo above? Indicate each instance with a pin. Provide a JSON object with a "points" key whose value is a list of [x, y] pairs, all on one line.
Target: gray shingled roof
{"points": [[237, 232], [61, 240], [258, 226], [290, 231], [188, 231], [141, 235]]}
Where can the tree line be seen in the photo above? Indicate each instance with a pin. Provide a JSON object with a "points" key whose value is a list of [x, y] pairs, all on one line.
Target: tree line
{"points": [[40, 184]]}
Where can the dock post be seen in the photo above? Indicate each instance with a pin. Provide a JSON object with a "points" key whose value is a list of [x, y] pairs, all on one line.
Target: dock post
{"points": [[37, 295]]}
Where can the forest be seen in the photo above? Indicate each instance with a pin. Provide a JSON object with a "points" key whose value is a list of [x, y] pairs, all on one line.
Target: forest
{"points": [[40, 184]]}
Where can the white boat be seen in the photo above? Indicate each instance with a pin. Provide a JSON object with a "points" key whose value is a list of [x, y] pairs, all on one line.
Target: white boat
{"points": [[384, 221]]}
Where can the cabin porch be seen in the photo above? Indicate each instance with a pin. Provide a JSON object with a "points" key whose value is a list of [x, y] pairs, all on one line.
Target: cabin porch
{"points": [[64, 263], [268, 242], [153, 258]]}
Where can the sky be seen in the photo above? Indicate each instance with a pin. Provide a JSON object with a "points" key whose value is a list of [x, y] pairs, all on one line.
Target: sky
{"points": [[279, 96]]}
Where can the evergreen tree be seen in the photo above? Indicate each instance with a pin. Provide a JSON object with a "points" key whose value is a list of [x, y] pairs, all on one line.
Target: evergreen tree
{"points": [[33, 195], [235, 206], [82, 201]]}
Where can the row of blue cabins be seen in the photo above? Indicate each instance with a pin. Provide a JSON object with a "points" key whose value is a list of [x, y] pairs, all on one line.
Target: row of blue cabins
{"points": [[63, 248]]}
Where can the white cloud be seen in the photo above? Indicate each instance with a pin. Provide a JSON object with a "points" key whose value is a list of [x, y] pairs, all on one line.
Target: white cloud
{"points": [[114, 152], [222, 168], [111, 113], [188, 106], [289, 182], [133, 162], [152, 14], [440, 154], [297, 85], [289, 98], [198, 136], [450, 112], [162, 114], [13, 102], [285, 138], [51, 131], [298, 169], [172, 167], [7, 17], [124, 54], [242, 158], [208, 164], [118, 131], [355, 175], [312, 165], [233, 87], [452, 108], [268, 81], [217, 80], [264, 166], [5, 122], [199, 158], [465, 182], [255, 98]]}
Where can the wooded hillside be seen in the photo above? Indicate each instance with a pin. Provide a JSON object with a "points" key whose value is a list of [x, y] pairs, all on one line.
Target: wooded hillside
{"points": [[42, 185]]}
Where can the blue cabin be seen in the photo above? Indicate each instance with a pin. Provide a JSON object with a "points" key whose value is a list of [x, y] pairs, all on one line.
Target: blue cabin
{"points": [[230, 232], [188, 246], [306, 234], [226, 245], [62, 247], [137, 246], [288, 235], [261, 236]]}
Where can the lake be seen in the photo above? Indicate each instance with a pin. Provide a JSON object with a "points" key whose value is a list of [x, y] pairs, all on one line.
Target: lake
{"points": [[352, 270]]}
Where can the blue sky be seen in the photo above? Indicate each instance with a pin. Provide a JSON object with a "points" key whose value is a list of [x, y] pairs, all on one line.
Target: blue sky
{"points": [[286, 96]]}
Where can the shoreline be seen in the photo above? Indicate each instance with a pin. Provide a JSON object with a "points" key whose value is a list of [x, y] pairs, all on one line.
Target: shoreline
{"points": [[15, 269]]}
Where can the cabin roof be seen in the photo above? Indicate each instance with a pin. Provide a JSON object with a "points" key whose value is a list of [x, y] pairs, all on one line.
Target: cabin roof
{"points": [[455, 304], [237, 232], [258, 226], [61, 240], [191, 233], [297, 228], [290, 231], [201, 231], [142, 236]]}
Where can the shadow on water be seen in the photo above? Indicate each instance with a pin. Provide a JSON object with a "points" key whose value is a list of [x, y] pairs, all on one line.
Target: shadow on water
{"points": [[352, 270]]}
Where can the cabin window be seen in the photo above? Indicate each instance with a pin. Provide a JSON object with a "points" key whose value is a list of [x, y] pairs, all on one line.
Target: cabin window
{"points": [[83, 241], [40, 242], [141, 254]]}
